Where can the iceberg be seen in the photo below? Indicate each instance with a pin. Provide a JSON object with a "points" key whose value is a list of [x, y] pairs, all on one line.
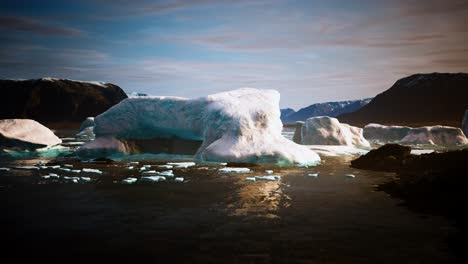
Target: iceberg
{"points": [[181, 164], [179, 179], [92, 171], [250, 179], [152, 179], [324, 130], [385, 134], [435, 135], [4, 169], [238, 126], [26, 134], [267, 178], [234, 170], [129, 180]]}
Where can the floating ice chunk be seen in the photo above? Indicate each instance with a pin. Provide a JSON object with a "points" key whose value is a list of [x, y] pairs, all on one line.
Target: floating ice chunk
{"points": [[4, 169], [149, 172], [152, 179], [75, 171], [234, 170], [64, 169], [130, 168], [267, 178], [68, 166], [269, 172], [53, 175], [179, 179], [45, 177], [92, 171], [146, 166], [71, 179], [313, 175], [133, 163], [142, 168], [26, 168], [43, 167], [165, 166], [350, 176], [250, 179], [41, 163], [129, 180], [182, 164], [167, 173], [85, 179], [54, 167]]}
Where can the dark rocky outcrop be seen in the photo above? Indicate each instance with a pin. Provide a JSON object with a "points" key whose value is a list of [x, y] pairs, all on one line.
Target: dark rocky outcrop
{"points": [[417, 100], [434, 183], [50, 100], [388, 158]]}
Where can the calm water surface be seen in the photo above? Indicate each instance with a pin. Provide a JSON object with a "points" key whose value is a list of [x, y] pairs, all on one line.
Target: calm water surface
{"points": [[215, 217]]}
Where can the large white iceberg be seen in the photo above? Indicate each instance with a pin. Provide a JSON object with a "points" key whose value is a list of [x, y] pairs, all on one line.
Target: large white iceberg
{"points": [[26, 134], [435, 135], [238, 126], [324, 130]]}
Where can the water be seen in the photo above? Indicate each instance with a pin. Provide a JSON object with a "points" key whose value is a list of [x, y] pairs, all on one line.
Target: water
{"points": [[216, 217]]}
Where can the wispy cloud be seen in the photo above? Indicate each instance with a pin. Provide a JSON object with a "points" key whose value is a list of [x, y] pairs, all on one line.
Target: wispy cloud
{"points": [[25, 24]]}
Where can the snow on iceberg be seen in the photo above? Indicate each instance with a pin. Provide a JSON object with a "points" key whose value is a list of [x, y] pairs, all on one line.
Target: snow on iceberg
{"points": [[26, 134], [324, 130], [238, 126], [435, 135]]}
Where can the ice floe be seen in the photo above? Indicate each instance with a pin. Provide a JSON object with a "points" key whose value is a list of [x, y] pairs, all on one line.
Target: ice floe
{"points": [[234, 170]]}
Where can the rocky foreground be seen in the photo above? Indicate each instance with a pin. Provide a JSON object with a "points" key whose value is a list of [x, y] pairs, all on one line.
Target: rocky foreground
{"points": [[435, 182]]}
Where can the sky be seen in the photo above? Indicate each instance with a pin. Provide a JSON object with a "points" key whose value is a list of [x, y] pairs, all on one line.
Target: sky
{"points": [[310, 51]]}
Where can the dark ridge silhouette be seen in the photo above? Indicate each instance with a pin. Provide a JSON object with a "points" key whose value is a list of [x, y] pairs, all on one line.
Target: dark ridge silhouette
{"points": [[49, 100], [417, 100]]}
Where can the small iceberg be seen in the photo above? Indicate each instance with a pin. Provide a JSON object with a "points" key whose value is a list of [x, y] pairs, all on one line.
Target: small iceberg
{"points": [[165, 166], [4, 169], [313, 175], [152, 179], [182, 164], [269, 172], [130, 168], [85, 179], [64, 169], [167, 173], [68, 166], [129, 180], [133, 163], [179, 179], [267, 178], [75, 171], [234, 170], [26, 168], [250, 179], [92, 171], [350, 176]]}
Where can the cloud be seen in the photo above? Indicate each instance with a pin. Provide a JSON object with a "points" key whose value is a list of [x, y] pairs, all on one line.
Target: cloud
{"points": [[25, 24]]}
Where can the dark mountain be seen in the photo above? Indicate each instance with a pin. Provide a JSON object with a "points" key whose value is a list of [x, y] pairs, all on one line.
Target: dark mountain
{"points": [[331, 109], [286, 112], [49, 100], [417, 100]]}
